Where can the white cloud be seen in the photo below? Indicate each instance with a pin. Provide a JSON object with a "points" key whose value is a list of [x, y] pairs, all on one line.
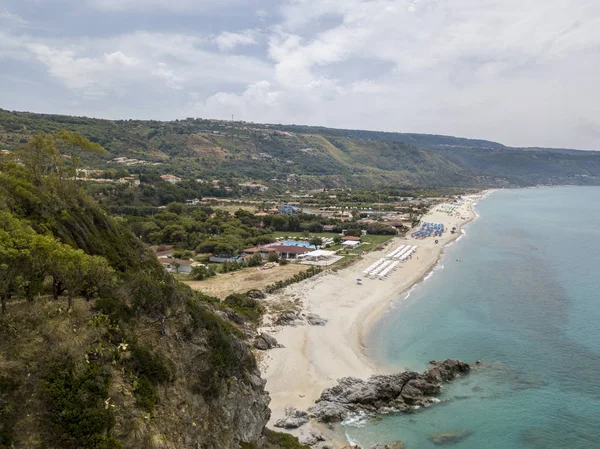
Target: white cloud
{"points": [[159, 5], [520, 72], [172, 80], [9, 19], [227, 41]]}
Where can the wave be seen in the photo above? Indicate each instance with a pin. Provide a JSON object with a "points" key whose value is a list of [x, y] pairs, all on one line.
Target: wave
{"points": [[358, 419]]}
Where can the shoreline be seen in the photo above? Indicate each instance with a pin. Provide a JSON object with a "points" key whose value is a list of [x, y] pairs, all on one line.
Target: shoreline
{"points": [[314, 357]]}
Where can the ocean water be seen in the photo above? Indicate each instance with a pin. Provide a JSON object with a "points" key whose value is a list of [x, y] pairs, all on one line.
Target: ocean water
{"points": [[521, 292]]}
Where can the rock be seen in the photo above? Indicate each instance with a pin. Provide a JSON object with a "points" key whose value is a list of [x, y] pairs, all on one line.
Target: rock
{"points": [[447, 438], [315, 320], [293, 419], [391, 445], [256, 294], [286, 319], [265, 341], [311, 439], [382, 394]]}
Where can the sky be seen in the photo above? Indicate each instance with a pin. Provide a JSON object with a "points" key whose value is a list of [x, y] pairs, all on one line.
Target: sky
{"points": [[524, 73]]}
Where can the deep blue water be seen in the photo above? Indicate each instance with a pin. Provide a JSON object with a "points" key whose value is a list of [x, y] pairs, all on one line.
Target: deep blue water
{"points": [[521, 292]]}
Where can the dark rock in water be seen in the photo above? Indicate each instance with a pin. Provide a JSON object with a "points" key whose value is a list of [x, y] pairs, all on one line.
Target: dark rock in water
{"points": [[392, 445], [293, 419], [265, 341], [315, 320], [286, 319], [447, 438], [381, 393]]}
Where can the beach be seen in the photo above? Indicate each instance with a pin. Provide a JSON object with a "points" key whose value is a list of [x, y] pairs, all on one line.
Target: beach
{"points": [[313, 357]]}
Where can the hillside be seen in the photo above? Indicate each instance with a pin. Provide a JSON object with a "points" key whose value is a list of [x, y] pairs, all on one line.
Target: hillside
{"points": [[133, 358], [309, 157]]}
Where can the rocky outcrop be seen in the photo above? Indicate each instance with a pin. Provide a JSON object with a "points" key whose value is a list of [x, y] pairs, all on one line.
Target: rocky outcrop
{"points": [[265, 341], [315, 320], [311, 439], [447, 438], [293, 419], [286, 319], [384, 394], [391, 445]]}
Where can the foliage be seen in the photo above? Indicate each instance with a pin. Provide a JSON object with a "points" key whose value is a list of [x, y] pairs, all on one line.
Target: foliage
{"points": [[245, 306], [200, 273], [298, 277], [76, 407], [280, 440]]}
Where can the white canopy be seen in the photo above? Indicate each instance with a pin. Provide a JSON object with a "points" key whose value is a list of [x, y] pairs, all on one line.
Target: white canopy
{"points": [[351, 243]]}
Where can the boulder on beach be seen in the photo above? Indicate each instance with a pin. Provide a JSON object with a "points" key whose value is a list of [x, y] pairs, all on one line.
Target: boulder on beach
{"points": [[448, 438], [293, 419], [311, 439], [315, 320], [265, 341], [286, 319]]}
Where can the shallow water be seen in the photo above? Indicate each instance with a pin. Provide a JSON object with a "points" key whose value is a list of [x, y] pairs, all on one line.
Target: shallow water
{"points": [[520, 291]]}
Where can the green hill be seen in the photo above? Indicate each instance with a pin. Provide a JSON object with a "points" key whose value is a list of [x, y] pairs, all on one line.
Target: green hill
{"points": [[309, 157], [133, 359]]}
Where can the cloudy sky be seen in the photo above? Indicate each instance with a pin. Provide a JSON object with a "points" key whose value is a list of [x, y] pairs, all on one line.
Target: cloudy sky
{"points": [[519, 72]]}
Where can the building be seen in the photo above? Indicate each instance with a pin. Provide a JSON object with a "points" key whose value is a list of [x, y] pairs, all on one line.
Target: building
{"points": [[254, 187], [170, 179], [351, 238], [130, 180], [329, 228], [282, 251], [178, 265]]}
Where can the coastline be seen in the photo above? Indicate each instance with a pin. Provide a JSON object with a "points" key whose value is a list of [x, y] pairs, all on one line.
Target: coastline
{"points": [[313, 357]]}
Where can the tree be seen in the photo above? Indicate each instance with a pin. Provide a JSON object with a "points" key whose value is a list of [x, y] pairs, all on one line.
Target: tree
{"points": [[176, 208], [316, 241]]}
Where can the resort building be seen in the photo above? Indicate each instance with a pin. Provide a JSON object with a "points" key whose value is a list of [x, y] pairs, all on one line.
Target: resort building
{"points": [[170, 179]]}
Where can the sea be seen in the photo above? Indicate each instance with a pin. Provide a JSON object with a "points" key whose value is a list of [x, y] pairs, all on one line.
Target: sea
{"points": [[519, 291]]}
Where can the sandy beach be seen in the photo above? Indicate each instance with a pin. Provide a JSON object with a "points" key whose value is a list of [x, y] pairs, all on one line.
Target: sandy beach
{"points": [[313, 357]]}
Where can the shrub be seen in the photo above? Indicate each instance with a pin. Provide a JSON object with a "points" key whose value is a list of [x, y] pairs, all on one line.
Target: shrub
{"points": [[75, 406], [145, 393], [312, 271]]}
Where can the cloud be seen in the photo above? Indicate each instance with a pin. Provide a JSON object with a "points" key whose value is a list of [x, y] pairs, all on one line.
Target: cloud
{"points": [[9, 19], [521, 73], [227, 41], [159, 5], [172, 80]]}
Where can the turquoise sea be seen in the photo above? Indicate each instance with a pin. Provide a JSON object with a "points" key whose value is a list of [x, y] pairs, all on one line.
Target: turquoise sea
{"points": [[521, 292]]}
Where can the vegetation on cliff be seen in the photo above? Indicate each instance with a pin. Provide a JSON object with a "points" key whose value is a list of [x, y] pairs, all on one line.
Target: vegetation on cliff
{"points": [[99, 346]]}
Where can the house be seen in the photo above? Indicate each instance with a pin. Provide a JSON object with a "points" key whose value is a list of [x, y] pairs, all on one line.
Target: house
{"points": [[290, 251], [329, 228], [350, 238], [177, 265], [170, 179], [130, 180], [254, 186], [282, 251], [351, 244]]}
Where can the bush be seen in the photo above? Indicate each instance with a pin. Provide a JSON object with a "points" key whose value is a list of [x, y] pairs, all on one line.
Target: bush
{"points": [[200, 273], [145, 393], [312, 271], [245, 306], [75, 406], [153, 366], [283, 262]]}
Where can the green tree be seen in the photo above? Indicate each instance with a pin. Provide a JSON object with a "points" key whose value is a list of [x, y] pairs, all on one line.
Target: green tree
{"points": [[316, 241]]}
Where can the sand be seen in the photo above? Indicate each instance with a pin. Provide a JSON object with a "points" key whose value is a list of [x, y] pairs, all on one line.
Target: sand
{"points": [[313, 357]]}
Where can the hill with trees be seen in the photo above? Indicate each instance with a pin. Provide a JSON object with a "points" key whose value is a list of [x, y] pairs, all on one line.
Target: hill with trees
{"points": [[305, 157], [100, 348]]}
